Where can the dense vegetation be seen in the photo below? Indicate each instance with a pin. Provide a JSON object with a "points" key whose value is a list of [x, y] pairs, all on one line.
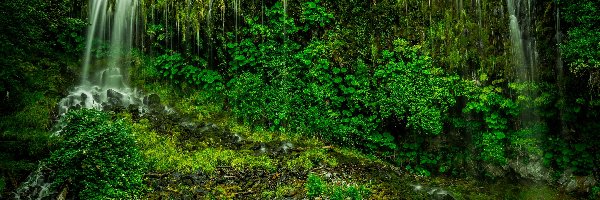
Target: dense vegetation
{"points": [[96, 158], [428, 87]]}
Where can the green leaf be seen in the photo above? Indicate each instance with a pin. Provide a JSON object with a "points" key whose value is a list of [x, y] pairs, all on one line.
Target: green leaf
{"points": [[337, 80], [500, 135]]}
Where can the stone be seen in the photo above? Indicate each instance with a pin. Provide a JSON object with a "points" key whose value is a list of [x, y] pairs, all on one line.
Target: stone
{"points": [[114, 97], [83, 99], [152, 99], [570, 183]]}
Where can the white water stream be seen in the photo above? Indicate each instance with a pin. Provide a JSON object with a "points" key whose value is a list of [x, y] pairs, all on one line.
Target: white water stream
{"points": [[103, 76]]}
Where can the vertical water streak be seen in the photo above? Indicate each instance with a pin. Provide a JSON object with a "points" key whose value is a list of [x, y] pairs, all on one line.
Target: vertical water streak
{"points": [[516, 41], [284, 33], [524, 53], [121, 43], [97, 20], [559, 70], [209, 31]]}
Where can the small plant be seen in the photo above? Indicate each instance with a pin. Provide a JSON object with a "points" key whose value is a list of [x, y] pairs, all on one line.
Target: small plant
{"points": [[316, 187], [97, 158]]}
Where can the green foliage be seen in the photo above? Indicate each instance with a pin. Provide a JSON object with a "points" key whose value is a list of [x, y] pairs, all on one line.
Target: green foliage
{"points": [[314, 14], [496, 110], [412, 89], [316, 187], [157, 35], [71, 38], [97, 158], [578, 157], [581, 48], [174, 67], [595, 194], [281, 85]]}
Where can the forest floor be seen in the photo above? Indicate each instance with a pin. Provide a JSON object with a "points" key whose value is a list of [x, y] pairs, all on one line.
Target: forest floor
{"points": [[197, 151]]}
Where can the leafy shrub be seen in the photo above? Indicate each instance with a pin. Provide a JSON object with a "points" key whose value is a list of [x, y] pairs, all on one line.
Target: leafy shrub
{"points": [[578, 157], [581, 47], [495, 110], [285, 86], [174, 67], [97, 158]]}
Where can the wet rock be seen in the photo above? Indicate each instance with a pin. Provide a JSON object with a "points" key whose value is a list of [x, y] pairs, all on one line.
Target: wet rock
{"points": [[570, 183], [260, 148], [97, 97], [495, 170], [435, 193], [236, 139], [189, 126], [83, 99], [530, 167], [134, 110], [114, 97], [208, 127], [285, 148], [153, 102]]}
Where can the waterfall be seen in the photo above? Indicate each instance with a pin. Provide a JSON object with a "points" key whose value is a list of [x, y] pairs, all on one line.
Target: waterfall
{"points": [[209, 32], [524, 53], [522, 40], [96, 16], [559, 71], [103, 75]]}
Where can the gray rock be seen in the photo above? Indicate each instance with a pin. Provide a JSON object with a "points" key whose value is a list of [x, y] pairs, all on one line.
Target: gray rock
{"points": [[436, 193], [114, 97], [569, 182]]}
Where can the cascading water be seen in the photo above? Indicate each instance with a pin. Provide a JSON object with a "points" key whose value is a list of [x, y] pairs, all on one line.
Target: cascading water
{"points": [[523, 42], [103, 80], [523, 49], [559, 69]]}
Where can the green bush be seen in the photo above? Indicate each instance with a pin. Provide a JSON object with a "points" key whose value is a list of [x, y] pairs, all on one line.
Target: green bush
{"points": [[97, 158], [175, 67], [287, 82]]}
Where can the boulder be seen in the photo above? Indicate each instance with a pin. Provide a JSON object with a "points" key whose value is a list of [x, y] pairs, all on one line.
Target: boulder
{"points": [[572, 183], [153, 102]]}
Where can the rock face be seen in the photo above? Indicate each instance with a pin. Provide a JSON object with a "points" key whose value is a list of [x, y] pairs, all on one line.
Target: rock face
{"points": [[571, 183], [153, 102], [530, 167], [36, 186], [435, 193]]}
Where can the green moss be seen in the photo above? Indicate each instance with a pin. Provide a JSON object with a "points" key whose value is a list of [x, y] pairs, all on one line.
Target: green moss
{"points": [[354, 155], [163, 154]]}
